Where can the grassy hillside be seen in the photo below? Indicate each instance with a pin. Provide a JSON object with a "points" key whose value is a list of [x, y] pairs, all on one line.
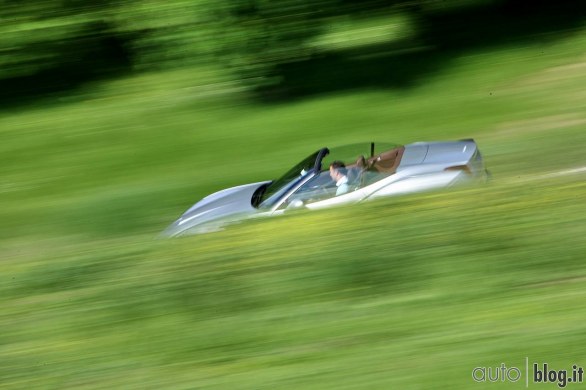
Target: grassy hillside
{"points": [[412, 292]]}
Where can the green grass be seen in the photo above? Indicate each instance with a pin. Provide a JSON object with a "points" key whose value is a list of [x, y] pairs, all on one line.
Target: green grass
{"points": [[411, 292]]}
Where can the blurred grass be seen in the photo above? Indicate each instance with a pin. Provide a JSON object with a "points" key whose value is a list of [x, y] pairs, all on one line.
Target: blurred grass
{"points": [[409, 292]]}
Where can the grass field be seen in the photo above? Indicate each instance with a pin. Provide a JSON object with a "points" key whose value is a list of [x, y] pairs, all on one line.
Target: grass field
{"points": [[412, 292]]}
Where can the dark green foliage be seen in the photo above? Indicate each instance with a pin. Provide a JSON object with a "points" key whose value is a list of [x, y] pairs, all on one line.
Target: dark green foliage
{"points": [[52, 46], [270, 46], [263, 34]]}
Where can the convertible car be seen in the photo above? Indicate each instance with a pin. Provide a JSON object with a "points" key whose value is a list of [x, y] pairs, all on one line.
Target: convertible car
{"points": [[364, 171]]}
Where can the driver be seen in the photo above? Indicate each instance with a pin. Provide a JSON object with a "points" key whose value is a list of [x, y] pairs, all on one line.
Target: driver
{"points": [[338, 174]]}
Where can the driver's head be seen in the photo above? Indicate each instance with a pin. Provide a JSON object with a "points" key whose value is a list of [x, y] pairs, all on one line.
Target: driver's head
{"points": [[337, 170]]}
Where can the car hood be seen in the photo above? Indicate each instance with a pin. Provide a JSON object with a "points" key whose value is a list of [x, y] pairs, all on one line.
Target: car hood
{"points": [[222, 206]]}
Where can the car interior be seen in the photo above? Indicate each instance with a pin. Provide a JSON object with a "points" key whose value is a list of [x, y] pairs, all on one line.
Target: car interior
{"points": [[367, 171], [360, 173]]}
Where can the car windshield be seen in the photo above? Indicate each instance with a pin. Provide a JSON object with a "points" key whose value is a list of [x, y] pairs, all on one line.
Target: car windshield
{"points": [[277, 188]]}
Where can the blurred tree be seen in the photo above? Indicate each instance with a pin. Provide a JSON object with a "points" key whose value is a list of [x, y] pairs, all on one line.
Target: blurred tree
{"points": [[48, 45], [170, 34], [52, 45], [55, 45], [260, 34], [271, 44]]}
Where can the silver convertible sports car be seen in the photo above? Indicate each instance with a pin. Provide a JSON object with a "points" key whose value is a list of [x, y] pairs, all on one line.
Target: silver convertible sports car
{"points": [[343, 175]]}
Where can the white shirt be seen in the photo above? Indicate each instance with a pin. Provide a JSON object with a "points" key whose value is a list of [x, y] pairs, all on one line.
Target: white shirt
{"points": [[342, 185]]}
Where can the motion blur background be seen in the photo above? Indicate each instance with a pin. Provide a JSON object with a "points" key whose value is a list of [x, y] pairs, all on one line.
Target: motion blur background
{"points": [[116, 116]]}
